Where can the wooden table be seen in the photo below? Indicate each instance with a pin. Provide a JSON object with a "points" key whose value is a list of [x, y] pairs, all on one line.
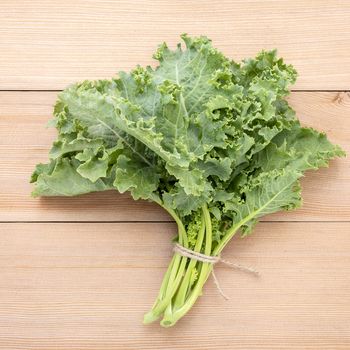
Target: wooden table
{"points": [[79, 273]]}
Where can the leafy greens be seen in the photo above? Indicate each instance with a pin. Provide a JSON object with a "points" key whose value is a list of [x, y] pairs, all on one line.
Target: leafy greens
{"points": [[214, 142]]}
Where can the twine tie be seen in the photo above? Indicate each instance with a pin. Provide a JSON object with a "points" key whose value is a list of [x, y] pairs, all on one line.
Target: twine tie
{"points": [[191, 254]]}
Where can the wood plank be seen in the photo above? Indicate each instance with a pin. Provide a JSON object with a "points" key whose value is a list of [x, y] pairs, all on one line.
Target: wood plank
{"points": [[49, 44], [25, 141], [86, 286]]}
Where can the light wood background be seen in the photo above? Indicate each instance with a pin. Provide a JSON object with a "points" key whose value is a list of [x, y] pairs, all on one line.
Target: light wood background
{"points": [[78, 273]]}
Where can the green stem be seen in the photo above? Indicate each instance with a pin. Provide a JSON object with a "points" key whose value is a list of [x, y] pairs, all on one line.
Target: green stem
{"points": [[185, 284], [172, 287], [152, 316], [208, 230], [173, 315], [206, 268], [230, 233], [176, 296], [170, 320], [172, 277], [181, 228]]}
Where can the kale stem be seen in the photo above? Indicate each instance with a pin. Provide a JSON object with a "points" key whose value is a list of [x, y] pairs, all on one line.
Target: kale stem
{"points": [[172, 316], [172, 287], [208, 230], [185, 284], [152, 316], [173, 276], [230, 233], [181, 228]]}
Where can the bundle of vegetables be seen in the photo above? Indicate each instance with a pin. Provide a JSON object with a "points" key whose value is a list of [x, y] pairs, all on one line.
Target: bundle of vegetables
{"points": [[210, 140]]}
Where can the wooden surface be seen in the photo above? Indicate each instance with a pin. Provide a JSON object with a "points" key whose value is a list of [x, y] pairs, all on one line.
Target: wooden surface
{"points": [[49, 44], [78, 273], [68, 287]]}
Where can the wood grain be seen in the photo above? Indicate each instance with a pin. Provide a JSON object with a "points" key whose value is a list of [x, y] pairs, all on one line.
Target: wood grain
{"points": [[25, 141], [86, 286], [49, 44]]}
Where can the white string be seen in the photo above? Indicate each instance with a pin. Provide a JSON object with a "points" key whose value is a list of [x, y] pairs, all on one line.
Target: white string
{"points": [[191, 254]]}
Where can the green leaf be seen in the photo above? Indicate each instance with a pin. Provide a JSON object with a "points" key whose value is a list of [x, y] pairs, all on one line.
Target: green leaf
{"points": [[137, 177], [265, 194], [184, 203], [73, 143], [60, 178], [94, 166], [219, 167], [300, 149]]}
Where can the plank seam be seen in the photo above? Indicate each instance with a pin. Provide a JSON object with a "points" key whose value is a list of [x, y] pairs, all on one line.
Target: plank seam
{"points": [[157, 222], [59, 90]]}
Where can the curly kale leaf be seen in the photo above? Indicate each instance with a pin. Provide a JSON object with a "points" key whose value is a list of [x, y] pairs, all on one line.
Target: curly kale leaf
{"points": [[198, 129]]}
